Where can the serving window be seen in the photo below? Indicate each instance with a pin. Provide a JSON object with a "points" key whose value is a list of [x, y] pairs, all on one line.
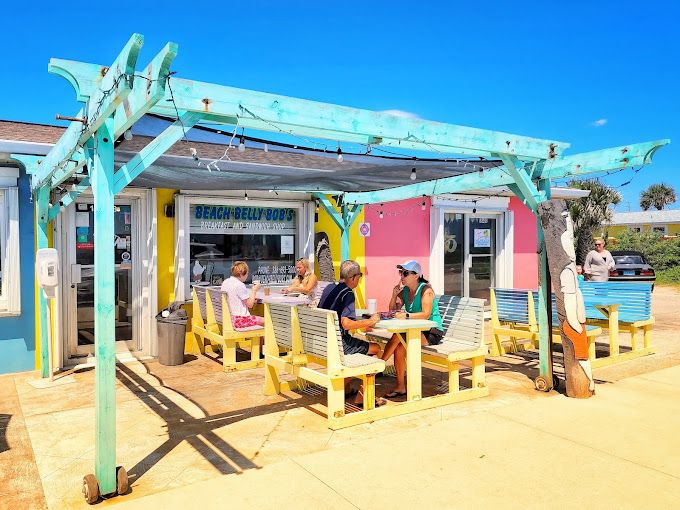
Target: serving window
{"points": [[266, 238]]}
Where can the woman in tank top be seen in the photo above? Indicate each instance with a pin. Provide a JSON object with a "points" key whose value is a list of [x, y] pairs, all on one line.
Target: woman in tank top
{"points": [[415, 295]]}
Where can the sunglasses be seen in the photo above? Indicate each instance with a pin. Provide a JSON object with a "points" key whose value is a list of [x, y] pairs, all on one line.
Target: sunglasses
{"points": [[405, 273]]}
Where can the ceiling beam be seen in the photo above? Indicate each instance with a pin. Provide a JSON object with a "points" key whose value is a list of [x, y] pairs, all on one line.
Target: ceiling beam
{"points": [[301, 117], [580, 164]]}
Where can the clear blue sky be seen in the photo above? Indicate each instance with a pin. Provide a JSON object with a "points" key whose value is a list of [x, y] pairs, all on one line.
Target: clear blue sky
{"points": [[532, 68]]}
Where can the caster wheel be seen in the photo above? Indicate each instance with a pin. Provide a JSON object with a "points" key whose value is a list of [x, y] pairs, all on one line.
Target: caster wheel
{"points": [[556, 382], [542, 383], [90, 489], [121, 480]]}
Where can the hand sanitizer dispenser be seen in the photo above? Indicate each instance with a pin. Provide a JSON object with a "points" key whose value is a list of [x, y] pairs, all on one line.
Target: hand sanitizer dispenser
{"points": [[47, 271]]}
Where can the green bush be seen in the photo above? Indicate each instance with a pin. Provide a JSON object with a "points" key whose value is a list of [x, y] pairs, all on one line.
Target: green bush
{"points": [[662, 254], [668, 276]]}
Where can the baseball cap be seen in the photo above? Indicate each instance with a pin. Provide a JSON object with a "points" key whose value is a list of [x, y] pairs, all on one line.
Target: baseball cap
{"points": [[411, 265]]}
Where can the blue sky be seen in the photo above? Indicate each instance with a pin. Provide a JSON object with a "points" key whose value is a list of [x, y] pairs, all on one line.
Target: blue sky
{"points": [[532, 68]]}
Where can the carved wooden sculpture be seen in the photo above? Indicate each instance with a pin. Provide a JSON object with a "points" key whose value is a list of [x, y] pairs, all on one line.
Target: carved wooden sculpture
{"points": [[559, 241]]}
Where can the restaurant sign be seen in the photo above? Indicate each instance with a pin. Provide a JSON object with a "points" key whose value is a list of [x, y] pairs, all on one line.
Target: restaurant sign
{"points": [[226, 219]]}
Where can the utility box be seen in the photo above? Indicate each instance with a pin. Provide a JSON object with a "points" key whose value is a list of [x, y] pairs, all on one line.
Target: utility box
{"points": [[47, 271]]}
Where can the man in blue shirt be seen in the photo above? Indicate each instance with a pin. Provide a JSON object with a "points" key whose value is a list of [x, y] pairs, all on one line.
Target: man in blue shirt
{"points": [[340, 298]]}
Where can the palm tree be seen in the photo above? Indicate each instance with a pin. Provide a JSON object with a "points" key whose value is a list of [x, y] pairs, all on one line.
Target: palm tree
{"points": [[657, 196], [591, 212]]}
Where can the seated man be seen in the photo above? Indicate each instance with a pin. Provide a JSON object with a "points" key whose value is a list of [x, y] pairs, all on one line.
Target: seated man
{"points": [[340, 297]]}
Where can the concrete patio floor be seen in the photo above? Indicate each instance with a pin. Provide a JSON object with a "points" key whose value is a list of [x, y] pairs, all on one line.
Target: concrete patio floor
{"points": [[182, 427]]}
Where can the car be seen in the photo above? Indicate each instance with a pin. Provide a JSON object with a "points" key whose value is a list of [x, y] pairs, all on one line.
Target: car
{"points": [[631, 266]]}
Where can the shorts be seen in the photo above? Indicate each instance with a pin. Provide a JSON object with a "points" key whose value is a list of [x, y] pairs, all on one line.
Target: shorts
{"points": [[433, 336], [351, 345]]}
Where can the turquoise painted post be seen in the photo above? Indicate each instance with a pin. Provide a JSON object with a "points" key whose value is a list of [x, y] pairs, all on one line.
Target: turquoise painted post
{"points": [[41, 211], [344, 234], [100, 151], [544, 298]]}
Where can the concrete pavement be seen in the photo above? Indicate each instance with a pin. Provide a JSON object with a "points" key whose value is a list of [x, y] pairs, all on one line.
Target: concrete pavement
{"points": [[618, 450]]}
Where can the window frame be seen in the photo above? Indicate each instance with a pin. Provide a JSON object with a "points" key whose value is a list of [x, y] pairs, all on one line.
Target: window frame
{"points": [[10, 252]]}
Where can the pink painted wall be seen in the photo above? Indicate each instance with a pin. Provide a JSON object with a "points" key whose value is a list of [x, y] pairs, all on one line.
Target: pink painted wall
{"points": [[402, 234], [525, 263]]}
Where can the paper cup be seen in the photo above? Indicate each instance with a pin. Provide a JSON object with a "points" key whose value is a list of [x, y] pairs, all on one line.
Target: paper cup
{"points": [[372, 306]]}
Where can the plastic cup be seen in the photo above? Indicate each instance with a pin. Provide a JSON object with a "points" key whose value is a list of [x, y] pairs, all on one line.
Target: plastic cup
{"points": [[267, 291], [372, 306]]}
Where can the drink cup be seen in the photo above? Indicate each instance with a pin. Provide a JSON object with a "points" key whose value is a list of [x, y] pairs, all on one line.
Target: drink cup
{"points": [[267, 291], [372, 306]]}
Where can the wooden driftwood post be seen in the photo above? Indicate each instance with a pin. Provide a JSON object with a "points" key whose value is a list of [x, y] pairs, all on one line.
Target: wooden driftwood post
{"points": [[559, 242]]}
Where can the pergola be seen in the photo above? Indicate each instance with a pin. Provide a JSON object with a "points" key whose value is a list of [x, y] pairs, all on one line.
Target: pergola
{"points": [[115, 97]]}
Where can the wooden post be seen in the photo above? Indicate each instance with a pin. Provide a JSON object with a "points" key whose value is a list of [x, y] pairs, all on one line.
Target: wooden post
{"points": [[545, 380], [41, 213], [344, 233], [559, 242], [100, 156]]}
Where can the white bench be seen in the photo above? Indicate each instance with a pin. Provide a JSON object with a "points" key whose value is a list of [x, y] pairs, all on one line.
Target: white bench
{"points": [[312, 336], [211, 322]]}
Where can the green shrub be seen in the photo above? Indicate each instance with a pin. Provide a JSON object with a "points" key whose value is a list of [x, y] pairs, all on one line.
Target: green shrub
{"points": [[668, 276], [662, 254]]}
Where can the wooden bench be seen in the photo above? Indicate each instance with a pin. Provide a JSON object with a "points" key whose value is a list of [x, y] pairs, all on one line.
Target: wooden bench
{"points": [[463, 324], [512, 317], [211, 322], [634, 313], [312, 336]]}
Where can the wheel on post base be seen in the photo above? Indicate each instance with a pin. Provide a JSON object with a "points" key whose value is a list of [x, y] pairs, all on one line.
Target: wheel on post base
{"points": [[90, 489], [542, 384], [556, 382], [121, 480]]}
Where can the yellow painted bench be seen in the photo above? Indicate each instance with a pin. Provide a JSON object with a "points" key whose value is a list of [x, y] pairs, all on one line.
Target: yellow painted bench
{"points": [[512, 317], [211, 323], [312, 336]]}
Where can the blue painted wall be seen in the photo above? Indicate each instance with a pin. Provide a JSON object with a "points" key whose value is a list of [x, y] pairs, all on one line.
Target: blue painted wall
{"points": [[17, 334]]}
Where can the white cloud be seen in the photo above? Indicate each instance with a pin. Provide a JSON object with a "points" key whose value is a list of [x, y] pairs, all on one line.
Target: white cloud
{"points": [[401, 113], [600, 122]]}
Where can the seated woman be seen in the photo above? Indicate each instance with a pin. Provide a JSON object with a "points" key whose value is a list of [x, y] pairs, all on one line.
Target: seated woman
{"points": [[415, 294], [239, 298], [304, 281]]}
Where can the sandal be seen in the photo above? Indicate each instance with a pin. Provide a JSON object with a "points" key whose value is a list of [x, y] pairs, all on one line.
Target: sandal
{"points": [[393, 394]]}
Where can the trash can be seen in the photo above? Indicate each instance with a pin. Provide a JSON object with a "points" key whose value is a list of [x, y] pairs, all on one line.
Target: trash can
{"points": [[171, 326]]}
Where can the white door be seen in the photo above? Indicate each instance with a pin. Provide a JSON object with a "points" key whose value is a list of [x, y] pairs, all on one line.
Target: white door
{"points": [[470, 246], [80, 329]]}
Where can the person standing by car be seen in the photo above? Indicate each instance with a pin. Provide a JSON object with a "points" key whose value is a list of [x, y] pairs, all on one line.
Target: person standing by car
{"points": [[598, 263]]}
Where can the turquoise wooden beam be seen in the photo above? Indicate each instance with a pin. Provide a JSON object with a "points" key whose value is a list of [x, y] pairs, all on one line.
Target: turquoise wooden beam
{"points": [[42, 200], [579, 164], [114, 88], [544, 297], [155, 149], [523, 183], [328, 207], [272, 112], [100, 161], [69, 198]]}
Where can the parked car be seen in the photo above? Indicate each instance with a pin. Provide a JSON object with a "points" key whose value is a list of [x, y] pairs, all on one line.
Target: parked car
{"points": [[631, 266]]}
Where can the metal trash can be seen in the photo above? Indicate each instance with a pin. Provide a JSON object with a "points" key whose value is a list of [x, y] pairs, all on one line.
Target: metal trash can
{"points": [[171, 331]]}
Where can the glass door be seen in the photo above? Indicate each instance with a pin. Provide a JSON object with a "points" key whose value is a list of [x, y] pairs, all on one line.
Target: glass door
{"points": [[482, 256], [454, 254], [82, 330]]}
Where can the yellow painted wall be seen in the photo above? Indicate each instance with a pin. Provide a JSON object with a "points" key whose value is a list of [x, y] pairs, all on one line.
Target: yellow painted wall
{"points": [[357, 245], [166, 248], [672, 229]]}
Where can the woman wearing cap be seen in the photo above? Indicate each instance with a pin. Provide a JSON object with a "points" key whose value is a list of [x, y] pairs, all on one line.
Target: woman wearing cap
{"points": [[304, 281], [415, 294]]}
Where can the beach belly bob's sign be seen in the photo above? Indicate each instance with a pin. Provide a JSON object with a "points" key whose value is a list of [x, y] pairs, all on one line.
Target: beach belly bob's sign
{"points": [[227, 219]]}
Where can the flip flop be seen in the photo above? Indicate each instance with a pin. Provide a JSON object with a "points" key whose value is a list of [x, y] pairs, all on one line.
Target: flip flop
{"points": [[394, 394]]}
